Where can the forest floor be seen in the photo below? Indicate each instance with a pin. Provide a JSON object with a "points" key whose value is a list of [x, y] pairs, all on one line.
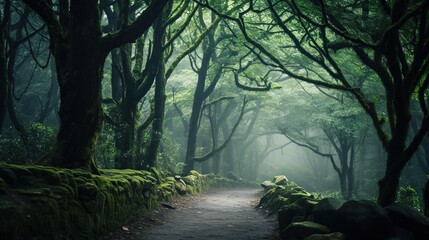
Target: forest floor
{"points": [[226, 214]]}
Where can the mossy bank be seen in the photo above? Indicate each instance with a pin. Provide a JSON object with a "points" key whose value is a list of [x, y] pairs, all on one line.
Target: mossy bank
{"points": [[303, 216], [49, 203]]}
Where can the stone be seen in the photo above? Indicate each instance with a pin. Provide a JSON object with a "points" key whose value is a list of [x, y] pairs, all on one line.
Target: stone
{"points": [[409, 219], [325, 212], [329, 236], [363, 220], [267, 185], [280, 180], [287, 213], [181, 187], [301, 230]]}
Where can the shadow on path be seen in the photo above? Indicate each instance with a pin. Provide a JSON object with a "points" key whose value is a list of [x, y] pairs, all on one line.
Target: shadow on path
{"points": [[228, 214]]}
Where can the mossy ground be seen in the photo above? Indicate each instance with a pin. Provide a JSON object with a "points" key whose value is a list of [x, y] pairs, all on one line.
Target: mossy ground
{"points": [[51, 203]]}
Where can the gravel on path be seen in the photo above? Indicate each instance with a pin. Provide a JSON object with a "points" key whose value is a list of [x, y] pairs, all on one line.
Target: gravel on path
{"points": [[220, 215]]}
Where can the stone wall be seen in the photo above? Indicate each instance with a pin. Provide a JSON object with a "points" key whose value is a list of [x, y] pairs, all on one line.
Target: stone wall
{"points": [[49, 203], [301, 215]]}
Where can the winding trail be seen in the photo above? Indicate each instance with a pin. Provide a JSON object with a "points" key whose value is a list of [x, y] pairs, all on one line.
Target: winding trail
{"points": [[228, 214]]}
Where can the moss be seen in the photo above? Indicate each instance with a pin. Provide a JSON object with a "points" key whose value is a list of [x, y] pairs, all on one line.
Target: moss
{"points": [[50, 203], [181, 187], [50, 175]]}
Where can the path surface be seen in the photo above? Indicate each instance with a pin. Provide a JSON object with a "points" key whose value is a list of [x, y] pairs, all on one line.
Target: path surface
{"points": [[220, 215]]}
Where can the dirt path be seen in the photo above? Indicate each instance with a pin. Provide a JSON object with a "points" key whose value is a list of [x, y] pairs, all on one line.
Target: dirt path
{"points": [[220, 215]]}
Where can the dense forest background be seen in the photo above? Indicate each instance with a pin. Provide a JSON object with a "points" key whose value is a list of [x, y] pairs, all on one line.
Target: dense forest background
{"points": [[333, 94]]}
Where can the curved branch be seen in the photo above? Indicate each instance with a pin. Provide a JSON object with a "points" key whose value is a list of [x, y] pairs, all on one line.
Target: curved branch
{"points": [[130, 33], [221, 147]]}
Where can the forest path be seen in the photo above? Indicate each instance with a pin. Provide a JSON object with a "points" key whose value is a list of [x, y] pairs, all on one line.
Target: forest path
{"points": [[226, 214]]}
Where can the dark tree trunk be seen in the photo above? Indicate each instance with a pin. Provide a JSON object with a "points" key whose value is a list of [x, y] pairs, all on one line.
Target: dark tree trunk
{"points": [[160, 96], [199, 97], [396, 156], [4, 83], [80, 51], [115, 79], [79, 64], [158, 120], [228, 155], [350, 174]]}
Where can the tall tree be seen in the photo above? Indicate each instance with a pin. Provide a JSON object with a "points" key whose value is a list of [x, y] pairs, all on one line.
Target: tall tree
{"points": [[80, 49], [390, 38], [4, 83]]}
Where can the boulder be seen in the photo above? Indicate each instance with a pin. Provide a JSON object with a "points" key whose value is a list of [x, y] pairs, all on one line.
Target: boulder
{"points": [[301, 230], [409, 219], [267, 185], [287, 213], [329, 236], [325, 212], [280, 180], [181, 187], [364, 220]]}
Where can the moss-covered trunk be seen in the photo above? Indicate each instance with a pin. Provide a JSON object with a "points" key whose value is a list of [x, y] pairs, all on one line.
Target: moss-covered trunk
{"points": [[160, 96], [79, 63]]}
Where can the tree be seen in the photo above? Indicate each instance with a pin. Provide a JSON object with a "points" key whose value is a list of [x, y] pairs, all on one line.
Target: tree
{"points": [[80, 49], [210, 71], [4, 83], [389, 38], [314, 121]]}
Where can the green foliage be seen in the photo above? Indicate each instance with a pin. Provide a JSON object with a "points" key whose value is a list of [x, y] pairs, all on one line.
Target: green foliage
{"points": [[409, 196], [41, 140], [106, 150]]}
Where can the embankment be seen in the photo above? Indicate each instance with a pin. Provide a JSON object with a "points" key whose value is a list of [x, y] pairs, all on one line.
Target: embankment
{"points": [[39, 202]]}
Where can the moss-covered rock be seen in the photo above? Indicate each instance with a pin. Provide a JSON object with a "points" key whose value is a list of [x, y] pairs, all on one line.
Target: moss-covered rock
{"points": [[280, 180], [329, 236], [39, 202], [301, 230]]}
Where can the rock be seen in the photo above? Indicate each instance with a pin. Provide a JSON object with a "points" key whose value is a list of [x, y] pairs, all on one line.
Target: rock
{"points": [[267, 185], [177, 177], [280, 180], [301, 230], [364, 220], [409, 219], [307, 203], [325, 212], [330, 236], [287, 213], [181, 187], [8, 176]]}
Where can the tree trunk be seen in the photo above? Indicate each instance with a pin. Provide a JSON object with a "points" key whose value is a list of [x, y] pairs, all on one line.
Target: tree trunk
{"points": [[4, 84], [158, 120], [199, 97], [126, 132], [115, 79], [79, 63], [80, 51], [388, 186], [350, 174], [228, 155]]}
